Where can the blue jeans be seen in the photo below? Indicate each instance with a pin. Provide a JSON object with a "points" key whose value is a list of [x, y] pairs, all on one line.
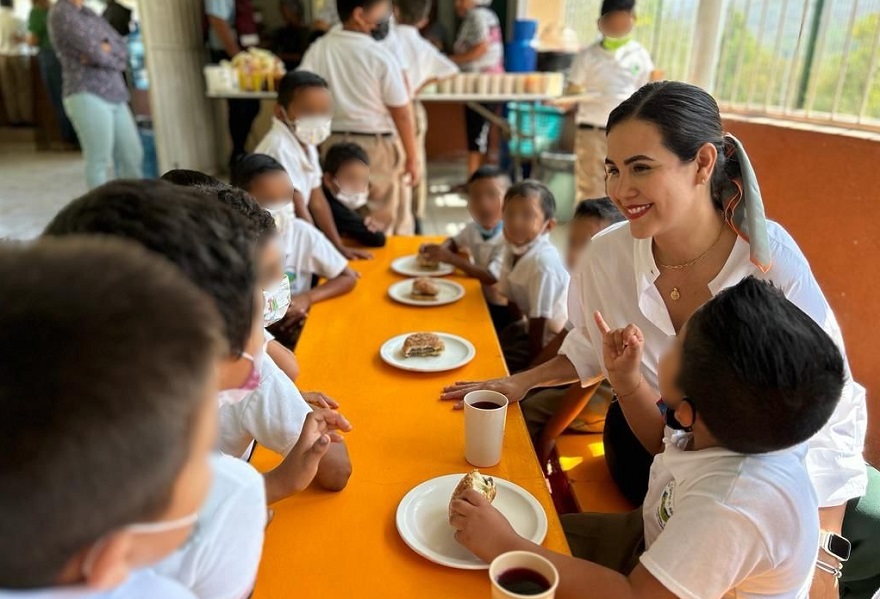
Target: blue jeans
{"points": [[50, 71], [108, 137]]}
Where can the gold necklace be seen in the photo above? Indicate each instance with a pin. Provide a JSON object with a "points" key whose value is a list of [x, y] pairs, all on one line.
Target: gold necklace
{"points": [[675, 294]]}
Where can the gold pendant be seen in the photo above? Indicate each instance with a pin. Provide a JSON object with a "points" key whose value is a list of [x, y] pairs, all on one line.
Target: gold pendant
{"points": [[675, 294]]}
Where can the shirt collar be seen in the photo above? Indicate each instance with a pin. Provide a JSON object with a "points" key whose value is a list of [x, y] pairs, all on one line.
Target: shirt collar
{"points": [[302, 154]]}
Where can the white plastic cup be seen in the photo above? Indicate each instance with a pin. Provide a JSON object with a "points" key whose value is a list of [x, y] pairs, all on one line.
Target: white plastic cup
{"points": [[483, 82], [458, 84], [520, 83], [484, 428], [508, 85], [495, 84], [522, 559]]}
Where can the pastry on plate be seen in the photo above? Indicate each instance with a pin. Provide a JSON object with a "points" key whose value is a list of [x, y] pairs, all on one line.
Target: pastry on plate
{"points": [[423, 345], [424, 289], [476, 481], [425, 262]]}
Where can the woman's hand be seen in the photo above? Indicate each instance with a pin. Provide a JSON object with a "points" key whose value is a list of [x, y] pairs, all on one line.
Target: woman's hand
{"points": [[508, 386], [622, 352]]}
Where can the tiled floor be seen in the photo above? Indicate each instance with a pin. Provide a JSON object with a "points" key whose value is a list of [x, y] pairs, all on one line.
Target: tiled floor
{"points": [[35, 185]]}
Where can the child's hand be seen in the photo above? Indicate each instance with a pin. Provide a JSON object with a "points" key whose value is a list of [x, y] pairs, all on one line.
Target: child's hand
{"points": [[481, 528], [299, 306], [316, 399], [318, 432], [379, 220], [622, 351], [436, 252], [355, 253]]}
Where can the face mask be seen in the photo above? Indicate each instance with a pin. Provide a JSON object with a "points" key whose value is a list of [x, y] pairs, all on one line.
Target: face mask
{"points": [[352, 199], [380, 31], [489, 233], [520, 250], [139, 528], [615, 43], [229, 397], [276, 300], [312, 131], [283, 214]]}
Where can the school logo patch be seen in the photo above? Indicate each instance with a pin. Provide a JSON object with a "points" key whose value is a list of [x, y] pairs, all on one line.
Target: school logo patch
{"points": [[667, 501]]}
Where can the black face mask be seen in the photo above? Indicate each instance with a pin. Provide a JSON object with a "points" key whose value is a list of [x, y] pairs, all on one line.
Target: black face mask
{"points": [[380, 31]]}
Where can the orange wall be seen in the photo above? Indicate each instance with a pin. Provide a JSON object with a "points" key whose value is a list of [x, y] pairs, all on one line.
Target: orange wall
{"points": [[823, 189]]}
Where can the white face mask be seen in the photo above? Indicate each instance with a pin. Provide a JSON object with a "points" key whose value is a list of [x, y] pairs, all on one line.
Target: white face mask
{"points": [[352, 199], [276, 300], [310, 130], [520, 250], [229, 397], [282, 212]]}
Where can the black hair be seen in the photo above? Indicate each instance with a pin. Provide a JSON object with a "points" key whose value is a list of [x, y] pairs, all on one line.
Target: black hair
{"points": [[252, 166], [530, 187], [190, 178], [761, 374], [489, 171], [601, 208], [410, 12], [294, 81], [345, 8], [616, 5], [341, 154], [106, 357], [212, 244], [259, 219], [687, 117], [6, 3]]}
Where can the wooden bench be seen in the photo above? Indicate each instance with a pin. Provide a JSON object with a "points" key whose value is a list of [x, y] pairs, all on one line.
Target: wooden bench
{"points": [[582, 459]]}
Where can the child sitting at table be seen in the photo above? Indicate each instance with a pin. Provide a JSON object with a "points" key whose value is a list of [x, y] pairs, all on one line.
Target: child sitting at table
{"points": [[730, 509], [478, 248], [533, 277], [346, 185], [300, 124], [307, 253], [215, 248], [584, 408], [106, 430]]}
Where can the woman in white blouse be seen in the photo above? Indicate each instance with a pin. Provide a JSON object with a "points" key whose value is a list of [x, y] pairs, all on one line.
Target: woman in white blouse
{"points": [[696, 226]]}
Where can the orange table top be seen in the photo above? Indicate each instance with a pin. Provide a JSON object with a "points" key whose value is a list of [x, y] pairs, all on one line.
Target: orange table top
{"points": [[346, 543]]}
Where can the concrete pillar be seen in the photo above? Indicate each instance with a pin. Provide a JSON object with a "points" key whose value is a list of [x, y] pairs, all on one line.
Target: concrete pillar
{"points": [[188, 132], [711, 16]]}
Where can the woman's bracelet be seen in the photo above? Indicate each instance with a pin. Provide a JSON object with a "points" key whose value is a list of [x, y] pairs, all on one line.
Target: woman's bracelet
{"points": [[638, 386], [836, 572]]}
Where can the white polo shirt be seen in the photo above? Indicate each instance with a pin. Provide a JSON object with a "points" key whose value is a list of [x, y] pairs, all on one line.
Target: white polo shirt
{"points": [[307, 252], [421, 60], [616, 275], [272, 415], [724, 524], [220, 559], [487, 253], [140, 584], [609, 77], [303, 164], [364, 78], [538, 285]]}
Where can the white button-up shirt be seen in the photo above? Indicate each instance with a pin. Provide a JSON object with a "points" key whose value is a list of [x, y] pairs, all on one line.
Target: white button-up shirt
{"points": [[302, 164], [616, 275]]}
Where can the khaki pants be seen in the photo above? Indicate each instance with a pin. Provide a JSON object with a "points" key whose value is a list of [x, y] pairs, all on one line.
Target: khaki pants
{"points": [[591, 148], [387, 187], [420, 193], [17, 88]]}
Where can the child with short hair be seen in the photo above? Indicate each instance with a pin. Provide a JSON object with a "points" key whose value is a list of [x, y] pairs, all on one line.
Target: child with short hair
{"points": [[478, 248], [346, 186], [308, 253], [590, 218], [105, 440], [730, 509], [533, 277]]}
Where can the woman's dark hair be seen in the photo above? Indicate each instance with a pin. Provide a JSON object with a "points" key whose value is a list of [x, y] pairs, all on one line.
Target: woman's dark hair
{"points": [[529, 188], [687, 118], [252, 166]]}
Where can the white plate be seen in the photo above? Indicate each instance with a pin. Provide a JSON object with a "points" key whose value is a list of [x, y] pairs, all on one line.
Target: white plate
{"points": [[408, 266], [423, 520], [450, 292], [458, 352]]}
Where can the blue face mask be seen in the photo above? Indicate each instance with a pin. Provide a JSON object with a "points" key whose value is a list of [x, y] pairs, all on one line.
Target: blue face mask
{"points": [[489, 233]]}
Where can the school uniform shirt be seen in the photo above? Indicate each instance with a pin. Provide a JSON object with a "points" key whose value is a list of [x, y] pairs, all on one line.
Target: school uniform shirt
{"points": [[139, 585], [11, 27], [538, 285], [724, 524], [272, 415], [364, 78], [303, 164], [481, 25], [616, 275], [609, 77], [308, 252], [486, 253], [220, 559], [421, 60]]}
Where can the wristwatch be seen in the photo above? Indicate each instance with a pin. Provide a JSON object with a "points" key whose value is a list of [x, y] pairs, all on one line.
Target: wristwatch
{"points": [[835, 545]]}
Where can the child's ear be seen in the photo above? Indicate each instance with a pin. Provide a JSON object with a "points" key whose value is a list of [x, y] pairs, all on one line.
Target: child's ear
{"points": [[685, 415], [551, 224], [328, 179], [106, 563]]}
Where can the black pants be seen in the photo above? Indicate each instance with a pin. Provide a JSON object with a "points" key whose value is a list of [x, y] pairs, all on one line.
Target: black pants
{"points": [[478, 128], [628, 461], [242, 114], [351, 224]]}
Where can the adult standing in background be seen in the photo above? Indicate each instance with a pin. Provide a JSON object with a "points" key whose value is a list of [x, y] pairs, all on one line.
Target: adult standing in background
{"points": [[15, 72], [50, 66], [231, 29], [93, 57], [478, 49]]}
